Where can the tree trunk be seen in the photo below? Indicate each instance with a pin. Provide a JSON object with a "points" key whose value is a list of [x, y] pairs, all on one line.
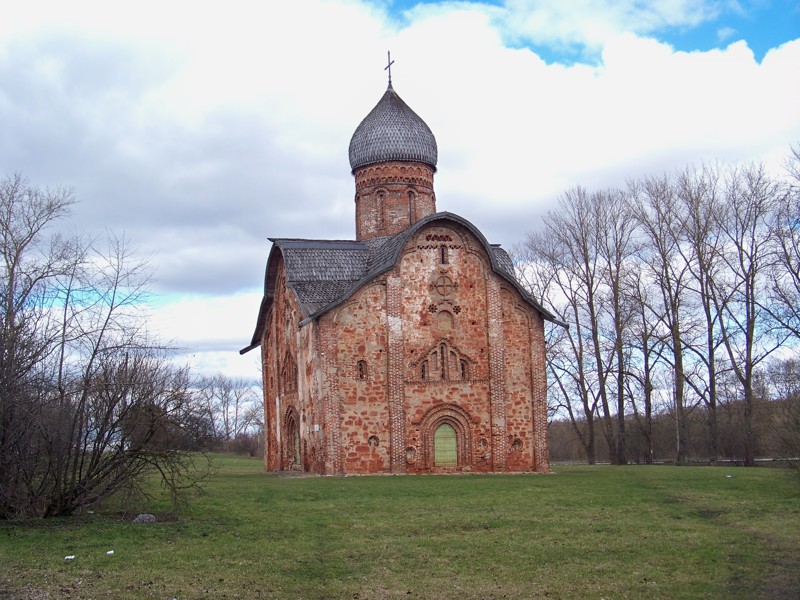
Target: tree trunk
{"points": [[749, 431]]}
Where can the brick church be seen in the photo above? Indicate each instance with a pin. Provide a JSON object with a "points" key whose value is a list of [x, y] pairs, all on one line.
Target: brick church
{"points": [[410, 349]]}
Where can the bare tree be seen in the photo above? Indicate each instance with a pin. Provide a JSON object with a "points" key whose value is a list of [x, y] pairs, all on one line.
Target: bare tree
{"points": [[617, 251], [655, 208], [751, 199], [229, 404], [577, 261], [645, 345], [784, 306], [698, 196], [688, 289], [31, 264], [548, 272], [784, 379], [88, 403]]}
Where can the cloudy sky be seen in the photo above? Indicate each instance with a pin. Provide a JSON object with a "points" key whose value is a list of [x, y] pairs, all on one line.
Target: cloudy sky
{"points": [[199, 129]]}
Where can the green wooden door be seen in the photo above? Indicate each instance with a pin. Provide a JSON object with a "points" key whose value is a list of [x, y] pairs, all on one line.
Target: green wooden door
{"points": [[444, 444]]}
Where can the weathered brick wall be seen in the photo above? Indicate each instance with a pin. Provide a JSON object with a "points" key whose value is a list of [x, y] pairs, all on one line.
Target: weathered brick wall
{"points": [[519, 396], [280, 352], [361, 358], [331, 401], [395, 296], [446, 345], [310, 366], [291, 368], [391, 196]]}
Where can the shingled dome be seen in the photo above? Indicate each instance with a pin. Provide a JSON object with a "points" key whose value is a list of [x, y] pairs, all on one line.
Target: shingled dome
{"points": [[392, 131]]}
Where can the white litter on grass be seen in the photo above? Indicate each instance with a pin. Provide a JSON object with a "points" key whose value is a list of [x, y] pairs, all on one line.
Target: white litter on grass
{"points": [[145, 518], [70, 557], [110, 552], [729, 476]]}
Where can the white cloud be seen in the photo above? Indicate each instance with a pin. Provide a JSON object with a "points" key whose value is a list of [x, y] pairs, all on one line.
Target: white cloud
{"points": [[725, 33], [209, 331], [592, 23]]}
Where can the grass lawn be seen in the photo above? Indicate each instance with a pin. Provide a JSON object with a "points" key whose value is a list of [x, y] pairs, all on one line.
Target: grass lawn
{"points": [[585, 532]]}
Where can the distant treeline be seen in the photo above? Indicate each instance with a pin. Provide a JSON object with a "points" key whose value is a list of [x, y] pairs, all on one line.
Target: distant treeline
{"points": [[772, 422]]}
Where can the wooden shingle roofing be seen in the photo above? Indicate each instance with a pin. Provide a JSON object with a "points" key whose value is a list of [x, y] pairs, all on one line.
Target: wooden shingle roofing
{"points": [[392, 131]]}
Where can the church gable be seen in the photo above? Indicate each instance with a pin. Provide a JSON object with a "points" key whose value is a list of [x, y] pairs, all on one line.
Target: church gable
{"points": [[445, 272]]}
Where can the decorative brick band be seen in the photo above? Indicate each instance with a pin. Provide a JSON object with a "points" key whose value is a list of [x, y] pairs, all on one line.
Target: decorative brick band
{"points": [[417, 174], [396, 391], [331, 399], [497, 375], [539, 395]]}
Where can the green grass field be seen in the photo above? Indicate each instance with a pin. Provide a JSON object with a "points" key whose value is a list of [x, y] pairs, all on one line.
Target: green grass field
{"points": [[584, 532]]}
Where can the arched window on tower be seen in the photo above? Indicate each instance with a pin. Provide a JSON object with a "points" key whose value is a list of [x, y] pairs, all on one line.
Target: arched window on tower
{"points": [[380, 207], [411, 207], [443, 258]]}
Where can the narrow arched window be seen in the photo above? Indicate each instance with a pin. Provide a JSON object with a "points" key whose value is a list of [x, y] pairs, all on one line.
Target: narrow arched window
{"points": [[410, 207], [381, 196], [464, 370], [423, 370], [443, 258], [361, 369], [288, 378]]}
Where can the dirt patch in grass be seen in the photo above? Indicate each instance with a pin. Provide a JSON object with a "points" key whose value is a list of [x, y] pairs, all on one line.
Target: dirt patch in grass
{"points": [[782, 581]]}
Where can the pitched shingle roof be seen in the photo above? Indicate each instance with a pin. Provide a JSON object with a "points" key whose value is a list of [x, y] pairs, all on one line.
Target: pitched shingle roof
{"points": [[323, 274], [322, 271]]}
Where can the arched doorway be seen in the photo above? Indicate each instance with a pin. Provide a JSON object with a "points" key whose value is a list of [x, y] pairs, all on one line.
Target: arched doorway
{"points": [[446, 438], [445, 446]]}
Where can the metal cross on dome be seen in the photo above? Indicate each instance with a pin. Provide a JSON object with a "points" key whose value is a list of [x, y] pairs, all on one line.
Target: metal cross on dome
{"points": [[389, 66]]}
